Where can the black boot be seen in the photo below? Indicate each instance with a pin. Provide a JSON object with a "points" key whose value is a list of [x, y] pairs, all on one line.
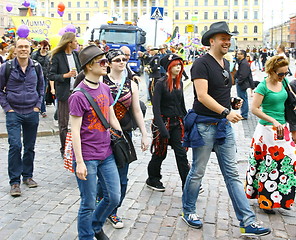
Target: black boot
{"points": [[101, 235]]}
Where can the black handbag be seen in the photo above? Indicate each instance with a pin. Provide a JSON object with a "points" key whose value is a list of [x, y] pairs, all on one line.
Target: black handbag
{"points": [[120, 145], [290, 103]]}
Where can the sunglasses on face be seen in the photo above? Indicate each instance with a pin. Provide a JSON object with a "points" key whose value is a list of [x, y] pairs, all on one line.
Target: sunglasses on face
{"points": [[282, 74], [226, 77], [102, 62], [118, 60], [46, 48]]}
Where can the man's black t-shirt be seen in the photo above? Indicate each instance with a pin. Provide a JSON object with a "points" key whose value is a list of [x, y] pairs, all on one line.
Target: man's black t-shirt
{"points": [[206, 67]]}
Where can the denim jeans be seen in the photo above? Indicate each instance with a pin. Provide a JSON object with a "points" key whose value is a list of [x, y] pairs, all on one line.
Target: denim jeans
{"points": [[91, 218], [243, 95], [18, 165], [226, 158]]}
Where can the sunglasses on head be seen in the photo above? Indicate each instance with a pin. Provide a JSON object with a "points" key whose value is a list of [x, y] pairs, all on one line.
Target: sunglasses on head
{"points": [[282, 74], [118, 60], [102, 62], [226, 77]]}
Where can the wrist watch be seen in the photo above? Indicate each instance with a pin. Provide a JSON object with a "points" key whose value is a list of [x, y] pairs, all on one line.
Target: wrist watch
{"points": [[225, 112]]}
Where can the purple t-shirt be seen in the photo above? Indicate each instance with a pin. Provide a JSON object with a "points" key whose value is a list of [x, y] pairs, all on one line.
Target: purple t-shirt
{"points": [[95, 139]]}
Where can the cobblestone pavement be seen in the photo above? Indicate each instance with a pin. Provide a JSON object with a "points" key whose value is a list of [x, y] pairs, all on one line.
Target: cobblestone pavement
{"points": [[49, 211]]}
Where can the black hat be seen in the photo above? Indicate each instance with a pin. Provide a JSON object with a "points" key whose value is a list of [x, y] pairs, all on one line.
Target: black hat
{"points": [[167, 59], [218, 27], [89, 53], [112, 53]]}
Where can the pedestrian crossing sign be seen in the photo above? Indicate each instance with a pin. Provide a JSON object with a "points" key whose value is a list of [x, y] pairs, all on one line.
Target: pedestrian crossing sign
{"points": [[156, 13]]}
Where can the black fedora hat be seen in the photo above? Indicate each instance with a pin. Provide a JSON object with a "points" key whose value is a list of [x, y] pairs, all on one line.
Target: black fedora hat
{"points": [[217, 27], [88, 53]]}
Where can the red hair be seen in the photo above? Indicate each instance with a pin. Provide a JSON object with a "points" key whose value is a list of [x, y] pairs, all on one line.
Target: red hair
{"points": [[170, 81]]}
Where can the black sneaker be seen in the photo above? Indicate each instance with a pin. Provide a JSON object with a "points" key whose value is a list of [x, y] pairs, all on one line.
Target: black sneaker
{"points": [[155, 185], [101, 235]]}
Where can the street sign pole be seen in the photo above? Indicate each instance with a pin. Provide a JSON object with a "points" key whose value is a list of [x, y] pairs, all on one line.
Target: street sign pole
{"points": [[155, 35]]}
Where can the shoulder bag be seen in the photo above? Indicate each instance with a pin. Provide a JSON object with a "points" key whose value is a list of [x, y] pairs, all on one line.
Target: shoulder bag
{"points": [[290, 103]]}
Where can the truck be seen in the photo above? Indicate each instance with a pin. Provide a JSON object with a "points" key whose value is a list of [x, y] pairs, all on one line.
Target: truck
{"points": [[122, 34]]}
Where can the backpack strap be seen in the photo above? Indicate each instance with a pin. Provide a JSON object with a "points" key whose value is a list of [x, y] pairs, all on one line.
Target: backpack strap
{"points": [[8, 68]]}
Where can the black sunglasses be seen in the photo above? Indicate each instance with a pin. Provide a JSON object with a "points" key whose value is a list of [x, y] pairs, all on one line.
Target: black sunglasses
{"points": [[226, 77], [118, 60], [282, 74], [102, 62]]}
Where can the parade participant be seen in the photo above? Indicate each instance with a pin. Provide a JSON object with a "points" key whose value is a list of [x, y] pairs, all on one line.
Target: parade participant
{"points": [[4, 50], [182, 53], [93, 156], [42, 56], [244, 80], [167, 127], [213, 131], [20, 97], [127, 109], [145, 58], [271, 174], [282, 52], [153, 70], [63, 69]]}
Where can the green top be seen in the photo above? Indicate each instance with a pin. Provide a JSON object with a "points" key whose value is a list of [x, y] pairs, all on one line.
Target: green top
{"points": [[273, 103]]}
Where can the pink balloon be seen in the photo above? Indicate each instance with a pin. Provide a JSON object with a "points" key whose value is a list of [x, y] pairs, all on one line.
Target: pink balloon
{"points": [[62, 31], [26, 3], [23, 31], [70, 28], [9, 7]]}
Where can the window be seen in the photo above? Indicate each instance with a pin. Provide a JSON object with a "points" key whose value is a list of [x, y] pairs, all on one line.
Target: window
{"points": [[225, 15], [42, 5], [245, 14], [52, 4], [255, 14], [96, 4], [215, 2], [87, 16], [176, 15], [195, 13], [126, 3], [206, 2], [186, 29], [225, 2], [52, 15], [69, 4], [117, 3], [78, 4], [195, 2], [78, 30], [186, 3], [255, 29], [245, 29], [235, 28], [165, 2], [78, 16], [105, 3], [235, 15], [176, 2], [153, 3], [255, 39], [195, 29], [165, 14], [206, 15], [256, 2], [125, 16], [205, 28], [215, 15], [135, 14], [235, 2], [246, 2], [69, 16], [145, 3], [186, 15], [135, 3], [87, 4], [245, 39]]}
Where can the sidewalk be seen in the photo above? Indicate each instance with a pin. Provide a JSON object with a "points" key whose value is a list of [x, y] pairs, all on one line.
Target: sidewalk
{"points": [[50, 211]]}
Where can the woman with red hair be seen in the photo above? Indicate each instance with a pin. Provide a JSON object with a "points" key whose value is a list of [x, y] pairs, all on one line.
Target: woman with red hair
{"points": [[167, 126]]}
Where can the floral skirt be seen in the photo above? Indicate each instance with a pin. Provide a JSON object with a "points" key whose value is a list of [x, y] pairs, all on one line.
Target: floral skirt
{"points": [[271, 174]]}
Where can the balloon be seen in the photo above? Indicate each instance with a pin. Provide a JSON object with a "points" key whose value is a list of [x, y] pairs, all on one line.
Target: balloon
{"points": [[70, 28], [26, 3], [9, 7], [80, 40], [61, 7], [23, 31], [32, 4], [60, 13], [54, 40], [62, 31]]}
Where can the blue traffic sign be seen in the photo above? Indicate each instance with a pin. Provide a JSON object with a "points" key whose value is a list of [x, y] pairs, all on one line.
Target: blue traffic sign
{"points": [[156, 13]]}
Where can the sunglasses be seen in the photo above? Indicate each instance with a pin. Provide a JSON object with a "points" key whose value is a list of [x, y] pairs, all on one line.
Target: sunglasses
{"points": [[118, 60], [282, 74], [226, 77], [102, 62], [46, 48]]}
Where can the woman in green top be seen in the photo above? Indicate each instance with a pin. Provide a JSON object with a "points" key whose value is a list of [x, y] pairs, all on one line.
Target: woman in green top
{"points": [[272, 162]]}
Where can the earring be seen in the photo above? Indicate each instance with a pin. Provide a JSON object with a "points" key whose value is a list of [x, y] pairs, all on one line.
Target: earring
{"points": [[90, 69]]}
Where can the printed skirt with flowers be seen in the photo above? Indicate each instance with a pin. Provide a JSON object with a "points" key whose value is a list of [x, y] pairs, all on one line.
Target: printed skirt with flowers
{"points": [[271, 174]]}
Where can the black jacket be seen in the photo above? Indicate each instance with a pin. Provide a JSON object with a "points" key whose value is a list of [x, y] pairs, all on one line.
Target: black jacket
{"points": [[59, 66], [243, 75], [44, 62], [155, 67]]}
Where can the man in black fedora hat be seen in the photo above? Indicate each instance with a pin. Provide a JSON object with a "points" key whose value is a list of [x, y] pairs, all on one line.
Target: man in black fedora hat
{"points": [[212, 117]]}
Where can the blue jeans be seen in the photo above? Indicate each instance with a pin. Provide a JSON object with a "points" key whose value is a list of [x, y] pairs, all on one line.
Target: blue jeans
{"points": [[226, 158], [18, 165], [91, 218], [243, 95], [43, 105]]}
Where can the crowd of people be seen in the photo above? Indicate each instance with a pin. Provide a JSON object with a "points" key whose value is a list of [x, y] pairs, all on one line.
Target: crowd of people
{"points": [[34, 69]]}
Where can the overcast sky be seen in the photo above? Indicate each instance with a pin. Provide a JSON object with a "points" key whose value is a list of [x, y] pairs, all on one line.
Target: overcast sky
{"points": [[277, 11]]}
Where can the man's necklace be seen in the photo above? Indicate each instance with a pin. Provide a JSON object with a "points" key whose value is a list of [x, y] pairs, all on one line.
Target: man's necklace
{"points": [[95, 83]]}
